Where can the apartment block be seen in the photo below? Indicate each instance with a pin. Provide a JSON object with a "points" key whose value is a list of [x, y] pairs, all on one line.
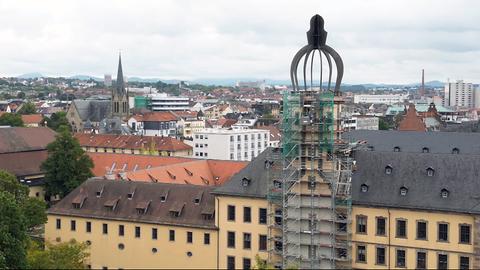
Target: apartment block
{"points": [[230, 144]]}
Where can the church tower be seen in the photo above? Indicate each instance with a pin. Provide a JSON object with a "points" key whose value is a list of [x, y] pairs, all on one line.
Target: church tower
{"points": [[120, 106]]}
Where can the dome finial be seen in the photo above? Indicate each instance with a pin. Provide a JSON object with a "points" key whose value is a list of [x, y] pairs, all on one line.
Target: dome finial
{"points": [[317, 36]]}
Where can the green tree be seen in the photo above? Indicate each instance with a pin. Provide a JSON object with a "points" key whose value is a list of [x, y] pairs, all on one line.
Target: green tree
{"points": [[21, 95], [383, 124], [13, 235], [67, 165], [11, 119], [28, 108], [69, 255], [57, 120]]}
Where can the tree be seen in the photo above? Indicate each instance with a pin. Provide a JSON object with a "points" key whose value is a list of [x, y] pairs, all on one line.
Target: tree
{"points": [[67, 165], [28, 108], [57, 120], [21, 95], [383, 124], [68, 255], [11, 119]]}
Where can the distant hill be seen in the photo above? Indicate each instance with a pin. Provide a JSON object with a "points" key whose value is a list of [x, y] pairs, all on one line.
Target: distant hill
{"points": [[85, 78], [30, 75]]}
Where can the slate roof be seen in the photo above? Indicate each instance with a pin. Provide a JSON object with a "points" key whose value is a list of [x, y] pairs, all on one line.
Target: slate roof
{"points": [[23, 163], [458, 174], [126, 209], [256, 172], [93, 110], [415, 141], [19, 139]]}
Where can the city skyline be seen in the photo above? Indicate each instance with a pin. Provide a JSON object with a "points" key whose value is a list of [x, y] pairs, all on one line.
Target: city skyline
{"points": [[381, 42]]}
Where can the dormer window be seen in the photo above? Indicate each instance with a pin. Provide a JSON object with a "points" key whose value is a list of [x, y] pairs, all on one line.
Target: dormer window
{"points": [[396, 149], [78, 201], [176, 209], [100, 192], [246, 182], [277, 184], [131, 193], [142, 207], [403, 191], [111, 204], [455, 151], [425, 150], [430, 171], [388, 169], [444, 193], [364, 188], [163, 197], [198, 198]]}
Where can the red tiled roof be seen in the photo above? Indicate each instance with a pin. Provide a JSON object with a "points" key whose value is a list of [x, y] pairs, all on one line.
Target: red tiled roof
{"points": [[155, 117], [103, 162], [32, 118], [131, 142], [275, 134], [23, 163], [186, 114], [197, 172], [224, 123], [411, 121]]}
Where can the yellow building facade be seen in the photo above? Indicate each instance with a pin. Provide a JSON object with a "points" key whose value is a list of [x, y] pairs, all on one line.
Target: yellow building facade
{"points": [[377, 248], [140, 245]]}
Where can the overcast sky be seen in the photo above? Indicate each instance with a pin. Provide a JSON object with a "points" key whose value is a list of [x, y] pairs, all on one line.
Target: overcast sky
{"points": [[380, 41]]}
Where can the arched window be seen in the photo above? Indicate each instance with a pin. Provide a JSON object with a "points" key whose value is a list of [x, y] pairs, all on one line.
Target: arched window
{"points": [[388, 169], [403, 191], [444, 193], [396, 149], [425, 150], [430, 171], [364, 188], [455, 151]]}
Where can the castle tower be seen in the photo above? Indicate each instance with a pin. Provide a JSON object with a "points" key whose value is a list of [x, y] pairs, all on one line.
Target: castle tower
{"points": [[120, 106]]}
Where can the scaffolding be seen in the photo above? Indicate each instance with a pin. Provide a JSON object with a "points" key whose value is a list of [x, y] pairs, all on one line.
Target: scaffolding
{"points": [[310, 184]]}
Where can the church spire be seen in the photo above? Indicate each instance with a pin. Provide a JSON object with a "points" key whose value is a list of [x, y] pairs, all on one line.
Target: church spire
{"points": [[120, 87]]}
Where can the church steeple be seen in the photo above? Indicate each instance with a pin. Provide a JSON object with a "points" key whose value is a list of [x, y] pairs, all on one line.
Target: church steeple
{"points": [[120, 87], [120, 106]]}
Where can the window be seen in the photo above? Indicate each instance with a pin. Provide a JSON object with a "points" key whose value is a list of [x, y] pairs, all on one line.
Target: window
{"points": [[400, 258], [455, 151], [312, 252], [421, 230], [262, 216], [401, 228], [464, 262], [189, 237], [247, 214], [231, 239], [396, 149], [206, 238], [361, 224], [88, 226], [421, 260], [154, 233], [231, 213], [59, 224], [247, 241], [247, 264], [105, 228], [121, 230], [381, 226], [262, 242], [171, 235], [464, 234], [425, 150], [364, 188], [388, 169], [403, 191], [73, 225], [430, 171], [442, 261], [380, 258], [444, 193], [230, 263], [443, 232], [361, 254], [137, 232], [231, 138]]}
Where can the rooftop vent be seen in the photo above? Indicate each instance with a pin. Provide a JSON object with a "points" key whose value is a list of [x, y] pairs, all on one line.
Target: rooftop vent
{"points": [[444, 193], [188, 172], [388, 169], [205, 181], [430, 171], [396, 149], [455, 151], [403, 191], [425, 150], [364, 188], [171, 175]]}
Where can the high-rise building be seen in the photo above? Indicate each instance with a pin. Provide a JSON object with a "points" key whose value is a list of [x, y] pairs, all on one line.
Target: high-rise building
{"points": [[460, 94], [107, 80], [120, 106]]}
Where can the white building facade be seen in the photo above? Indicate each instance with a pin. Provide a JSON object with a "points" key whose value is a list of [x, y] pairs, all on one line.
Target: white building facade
{"points": [[462, 94], [239, 144], [380, 99], [164, 102], [360, 122]]}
